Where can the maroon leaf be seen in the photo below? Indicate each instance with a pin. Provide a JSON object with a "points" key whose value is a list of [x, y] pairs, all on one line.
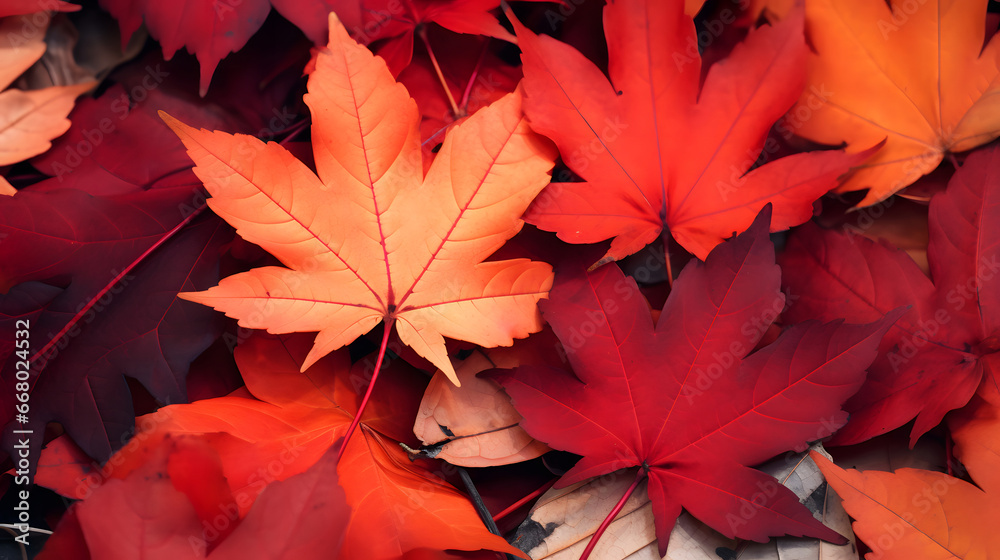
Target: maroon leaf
{"points": [[683, 399], [101, 305], [933, 359]]}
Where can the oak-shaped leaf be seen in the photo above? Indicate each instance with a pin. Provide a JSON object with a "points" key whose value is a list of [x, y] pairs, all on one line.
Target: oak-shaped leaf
{"points": [[945, 346], [371, 238], [684, 398], [658, 151]]}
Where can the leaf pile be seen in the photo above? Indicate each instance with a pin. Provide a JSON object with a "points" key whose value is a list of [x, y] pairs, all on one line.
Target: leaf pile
{"points": [[452, 279]]}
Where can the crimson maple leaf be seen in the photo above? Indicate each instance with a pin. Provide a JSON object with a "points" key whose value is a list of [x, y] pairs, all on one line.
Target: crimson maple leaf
{"points": [[683, 399], [76, 269], [942, 349], [657, 152]]}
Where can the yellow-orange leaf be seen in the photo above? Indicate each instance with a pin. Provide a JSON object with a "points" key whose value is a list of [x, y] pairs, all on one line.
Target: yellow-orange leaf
{"points": [[368, 237], [913, 73], [913, 513]]}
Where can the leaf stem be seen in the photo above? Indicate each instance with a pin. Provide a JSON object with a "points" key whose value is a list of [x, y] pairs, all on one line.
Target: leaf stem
{"points": [[422, 33], [481, 509], [520, 503], [135, 262], [472, 78], [611, 516], [665, 236], [371, 385]]}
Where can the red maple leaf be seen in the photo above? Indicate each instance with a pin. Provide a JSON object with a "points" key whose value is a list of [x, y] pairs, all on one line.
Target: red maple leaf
{"points": [[943, 348], [683, 399], [658, 152], [96, 281]]}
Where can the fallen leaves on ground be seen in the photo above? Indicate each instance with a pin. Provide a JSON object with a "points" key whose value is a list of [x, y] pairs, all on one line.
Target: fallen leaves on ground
{"points": [[914, 513], [642, 179], [372, 238], [944, 347], [696, 421], [859, 95]]}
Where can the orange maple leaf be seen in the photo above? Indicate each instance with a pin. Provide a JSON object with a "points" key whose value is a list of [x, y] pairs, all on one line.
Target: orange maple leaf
{"points": [[279, 426], [915, 513], [371, 238], [913, 73]]}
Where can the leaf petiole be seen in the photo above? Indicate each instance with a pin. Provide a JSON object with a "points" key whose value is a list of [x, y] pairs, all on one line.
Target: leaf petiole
{"points": [[371, 385], [614, 512], [455, 110]]}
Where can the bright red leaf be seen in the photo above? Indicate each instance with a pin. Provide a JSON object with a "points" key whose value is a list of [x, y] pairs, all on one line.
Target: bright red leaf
{"points": [[659, 153], [683, 399], [943, 348], [305, 516], [19, 7], [177, 505]]}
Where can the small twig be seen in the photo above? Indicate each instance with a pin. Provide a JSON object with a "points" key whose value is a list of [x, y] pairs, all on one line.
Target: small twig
{"points": [[422, 33], [477, 502]]}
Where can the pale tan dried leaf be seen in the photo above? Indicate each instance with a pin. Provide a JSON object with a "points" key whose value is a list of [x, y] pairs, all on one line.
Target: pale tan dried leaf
{"points": [[475, 423], [694, 541], [563, 521], [892, 451], [21, 44], [30, 119]]}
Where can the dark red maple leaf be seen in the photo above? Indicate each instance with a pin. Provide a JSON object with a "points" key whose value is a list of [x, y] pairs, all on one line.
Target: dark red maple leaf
{"points": [[79, 269], [118, 144], [683, 399], [210, 30], [934, 358], [392, 24], [213, 30]]}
